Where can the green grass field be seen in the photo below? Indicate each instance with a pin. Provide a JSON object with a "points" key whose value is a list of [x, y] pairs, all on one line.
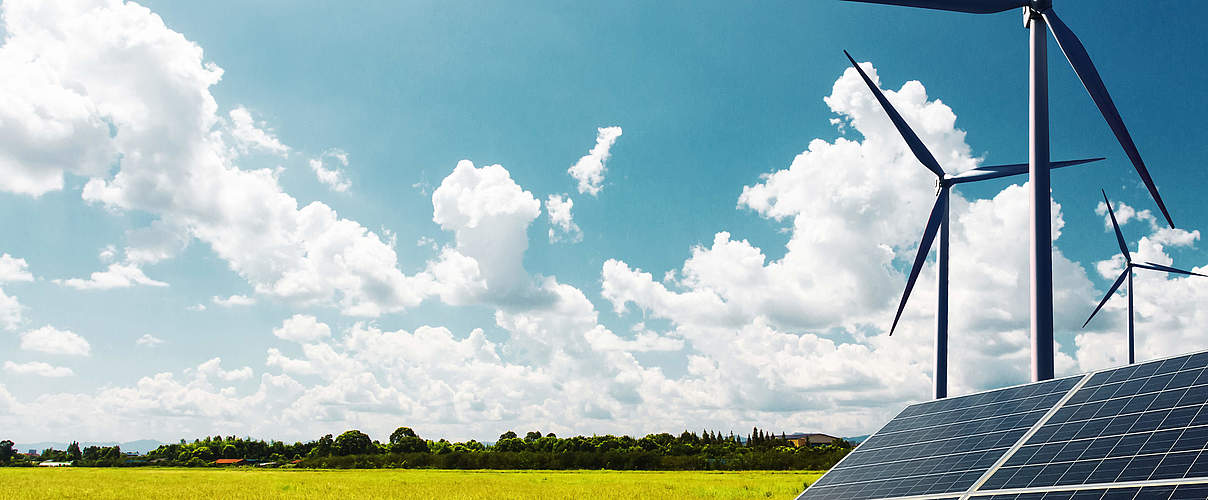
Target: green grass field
{"points": [[154, 483]]}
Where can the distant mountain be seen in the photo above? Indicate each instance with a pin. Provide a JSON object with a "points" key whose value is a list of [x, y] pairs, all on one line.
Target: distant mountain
{"points": [[141, 446], [853, 440]]}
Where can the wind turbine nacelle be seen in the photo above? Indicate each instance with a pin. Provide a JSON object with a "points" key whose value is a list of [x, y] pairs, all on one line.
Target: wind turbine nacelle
{"points": [[1033, 11]]}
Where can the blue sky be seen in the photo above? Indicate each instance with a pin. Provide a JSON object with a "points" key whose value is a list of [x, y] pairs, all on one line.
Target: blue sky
{"points": [[710, 97]]}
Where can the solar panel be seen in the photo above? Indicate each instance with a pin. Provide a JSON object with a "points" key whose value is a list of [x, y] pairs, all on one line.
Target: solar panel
{"points": [[1136, 432], [939, 446]]}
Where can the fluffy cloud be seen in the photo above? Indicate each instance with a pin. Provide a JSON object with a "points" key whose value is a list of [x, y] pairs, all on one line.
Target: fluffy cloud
{"points": [[562, 224], [488, 214], [213, 368], [250, 136], [37, 368], [1159, 232], [232, 301], [11, 312], [148, 340], [329, 169], [302, 328], [601, 339], [589, 170], [116, 276], [13, 269], [101, 79], [51, 340]]}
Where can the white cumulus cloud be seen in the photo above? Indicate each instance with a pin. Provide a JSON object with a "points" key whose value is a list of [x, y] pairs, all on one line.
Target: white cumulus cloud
{"points": [[116, 276], [37, 368], [51, 340], [249, 135], [558, 207], [589, 170], [95, 80], [232, 301], [488, 213], [148, 340], [302, 328], [329, 169], [213, 368], [13, 269]]}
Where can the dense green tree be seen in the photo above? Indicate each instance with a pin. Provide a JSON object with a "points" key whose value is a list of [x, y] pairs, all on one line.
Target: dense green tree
{"points": [[353, 442], [404, 440], [400, 433], [510, 444], [532, 436], [6, 451], [507, 435], [73, 451], [324, 447], [230, 451], [202, 453]]}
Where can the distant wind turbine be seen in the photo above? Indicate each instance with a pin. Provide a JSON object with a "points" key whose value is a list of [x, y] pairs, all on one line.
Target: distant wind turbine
{"points": [[1037, 15], [938, 223], [1128, 267]]}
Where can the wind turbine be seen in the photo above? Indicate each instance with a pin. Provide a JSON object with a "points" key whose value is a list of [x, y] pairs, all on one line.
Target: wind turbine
{"points": [[937, 223], [1128, 273], [1037, 15]]}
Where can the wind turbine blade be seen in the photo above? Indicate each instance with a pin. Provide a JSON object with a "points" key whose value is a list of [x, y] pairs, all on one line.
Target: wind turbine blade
{"points": [[920, 151], [996, 171], [1159, 267], [1119, 236], [970, 6], [933, 225], [1115, 286], [1081, 62]]}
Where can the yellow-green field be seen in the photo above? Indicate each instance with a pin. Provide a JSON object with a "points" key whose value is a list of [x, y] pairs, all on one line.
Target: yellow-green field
{"points": [[152, 483]]}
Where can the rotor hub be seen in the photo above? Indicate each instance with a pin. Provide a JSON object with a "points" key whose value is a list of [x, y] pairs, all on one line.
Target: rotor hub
{"points": [[1034, 10]]}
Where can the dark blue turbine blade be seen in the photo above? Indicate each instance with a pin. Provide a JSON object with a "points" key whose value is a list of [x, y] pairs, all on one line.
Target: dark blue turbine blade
{"points": [[1119, 236], [933, 225], [1081, 61], [1159, 267], [997, 171], [970, 6], [920, 151], [1115, 286]]}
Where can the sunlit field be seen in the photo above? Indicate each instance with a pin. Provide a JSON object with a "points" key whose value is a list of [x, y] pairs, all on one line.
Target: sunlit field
{"points": [[150, 483]]}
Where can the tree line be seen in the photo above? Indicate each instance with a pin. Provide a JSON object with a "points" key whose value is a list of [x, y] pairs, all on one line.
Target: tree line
{"points": [[708, 450], [102, 456]]}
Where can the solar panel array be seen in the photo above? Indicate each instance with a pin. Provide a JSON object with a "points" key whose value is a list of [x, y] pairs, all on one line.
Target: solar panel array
{"points": [[940, 446], [1137, 432]]}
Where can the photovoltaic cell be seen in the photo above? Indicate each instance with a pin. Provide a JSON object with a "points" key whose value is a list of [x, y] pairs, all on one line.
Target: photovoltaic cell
{"points": [[940, 446], [1130, 433], [1144, 422]]}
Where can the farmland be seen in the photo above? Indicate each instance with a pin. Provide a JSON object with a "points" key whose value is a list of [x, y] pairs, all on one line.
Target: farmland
{"points": [[244, 483]]}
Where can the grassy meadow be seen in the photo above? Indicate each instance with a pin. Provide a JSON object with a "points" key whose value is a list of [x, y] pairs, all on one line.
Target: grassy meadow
{"points": [[244, 483]]}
